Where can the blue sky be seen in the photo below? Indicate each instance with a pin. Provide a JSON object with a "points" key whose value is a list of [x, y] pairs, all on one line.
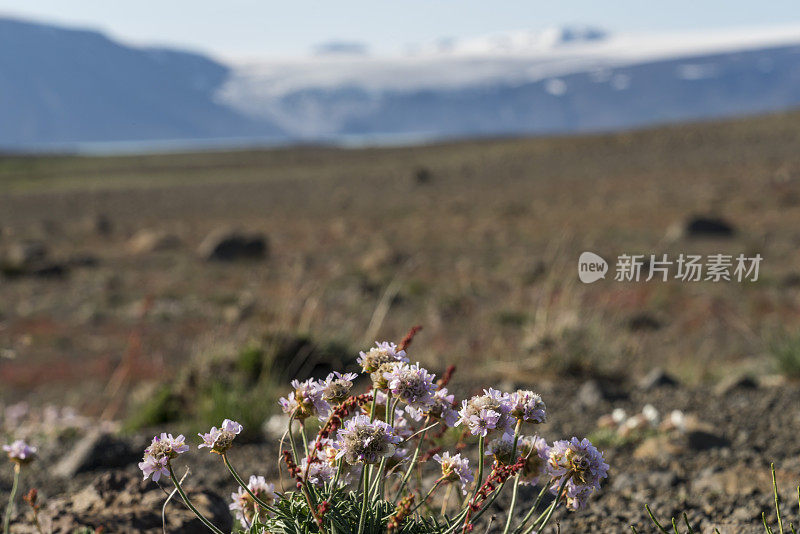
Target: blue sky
{"points": [[265, 28]]}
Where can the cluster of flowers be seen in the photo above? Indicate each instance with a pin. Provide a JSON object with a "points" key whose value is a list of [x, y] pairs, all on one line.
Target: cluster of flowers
{"points": [[375, 439]]}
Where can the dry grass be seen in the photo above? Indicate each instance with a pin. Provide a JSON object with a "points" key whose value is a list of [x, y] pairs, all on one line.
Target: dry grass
{"points": [[484, 255]]}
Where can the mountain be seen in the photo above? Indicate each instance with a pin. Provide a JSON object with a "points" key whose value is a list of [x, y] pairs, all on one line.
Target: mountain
{"points": [[563, 80], [61, 86], [64, 87]]}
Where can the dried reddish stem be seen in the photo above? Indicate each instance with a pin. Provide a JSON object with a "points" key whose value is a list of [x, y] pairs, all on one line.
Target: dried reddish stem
{"points": [[448, 374], [409, 337], [498, 476]]}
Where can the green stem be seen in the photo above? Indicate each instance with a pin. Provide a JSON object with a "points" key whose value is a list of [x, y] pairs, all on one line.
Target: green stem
{"points": [[481, 454], [377, 487], [245, 486], [516, 479], [373, 407], [542, 520], [365, 486], [291, 441], [428, 496], [532, 510], [777, 499], [339, 471], [186, 500], [305, 438], [488, 503], [413, 460], [513, 503], [10, 507]]}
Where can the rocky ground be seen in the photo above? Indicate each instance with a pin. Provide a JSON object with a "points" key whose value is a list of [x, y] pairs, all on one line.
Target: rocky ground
{"points": [[156, 292], [716, 469]]}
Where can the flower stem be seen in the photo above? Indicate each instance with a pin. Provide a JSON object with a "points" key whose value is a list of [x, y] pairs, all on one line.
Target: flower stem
{"points": [[413, 461], [380, 481], [186, 500], [365, 492], [481, 453], [516, 479], [243, 485], [532, 510], [544, 518], [10, 507], [428, 496]]}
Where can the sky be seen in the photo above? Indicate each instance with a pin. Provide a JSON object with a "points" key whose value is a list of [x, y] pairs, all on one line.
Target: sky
{"points": [[265, 28]]}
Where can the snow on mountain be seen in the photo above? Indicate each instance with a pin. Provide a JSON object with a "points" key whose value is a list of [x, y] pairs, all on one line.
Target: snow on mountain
{"points": [[59, 87], [505, 83]]}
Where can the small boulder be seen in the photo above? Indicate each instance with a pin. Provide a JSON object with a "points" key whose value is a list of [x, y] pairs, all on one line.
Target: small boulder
{"points": [[422, 176], [700, 226], [96, 450], [232, 245], [101, 225], [643, 322], [702, 440]]}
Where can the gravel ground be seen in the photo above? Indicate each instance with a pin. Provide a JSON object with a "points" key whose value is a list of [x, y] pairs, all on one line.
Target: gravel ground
{"points": [[718, 473]]}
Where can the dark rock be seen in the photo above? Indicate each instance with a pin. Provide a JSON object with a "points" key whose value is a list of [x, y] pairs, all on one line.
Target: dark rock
{"points": [[643, 322], [700, 226], [96, 450], [701, 440], [83, 259], [657, 378], [227, 245], [791, 280], [102, 225], [49, 270], [422, 176]]}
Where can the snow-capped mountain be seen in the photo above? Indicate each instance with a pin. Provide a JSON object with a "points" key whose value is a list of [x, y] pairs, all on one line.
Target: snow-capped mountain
{"points": [[561, 80], [62, 87]]}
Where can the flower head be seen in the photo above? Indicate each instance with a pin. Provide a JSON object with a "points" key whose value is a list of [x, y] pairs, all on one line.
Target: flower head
{"points": [[527, 406], [157, 456], [20, 452], [441, 409], [362, 441], [485, 413], [245, 506], [219, 440], [306, 400], [502, 449], [455, 468], [581, 465], [337, 386], [385, 352], [536, 452], [412, 384]]}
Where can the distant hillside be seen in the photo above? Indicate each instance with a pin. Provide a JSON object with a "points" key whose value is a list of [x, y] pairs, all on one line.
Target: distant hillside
{"points": [[62, 86]]}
